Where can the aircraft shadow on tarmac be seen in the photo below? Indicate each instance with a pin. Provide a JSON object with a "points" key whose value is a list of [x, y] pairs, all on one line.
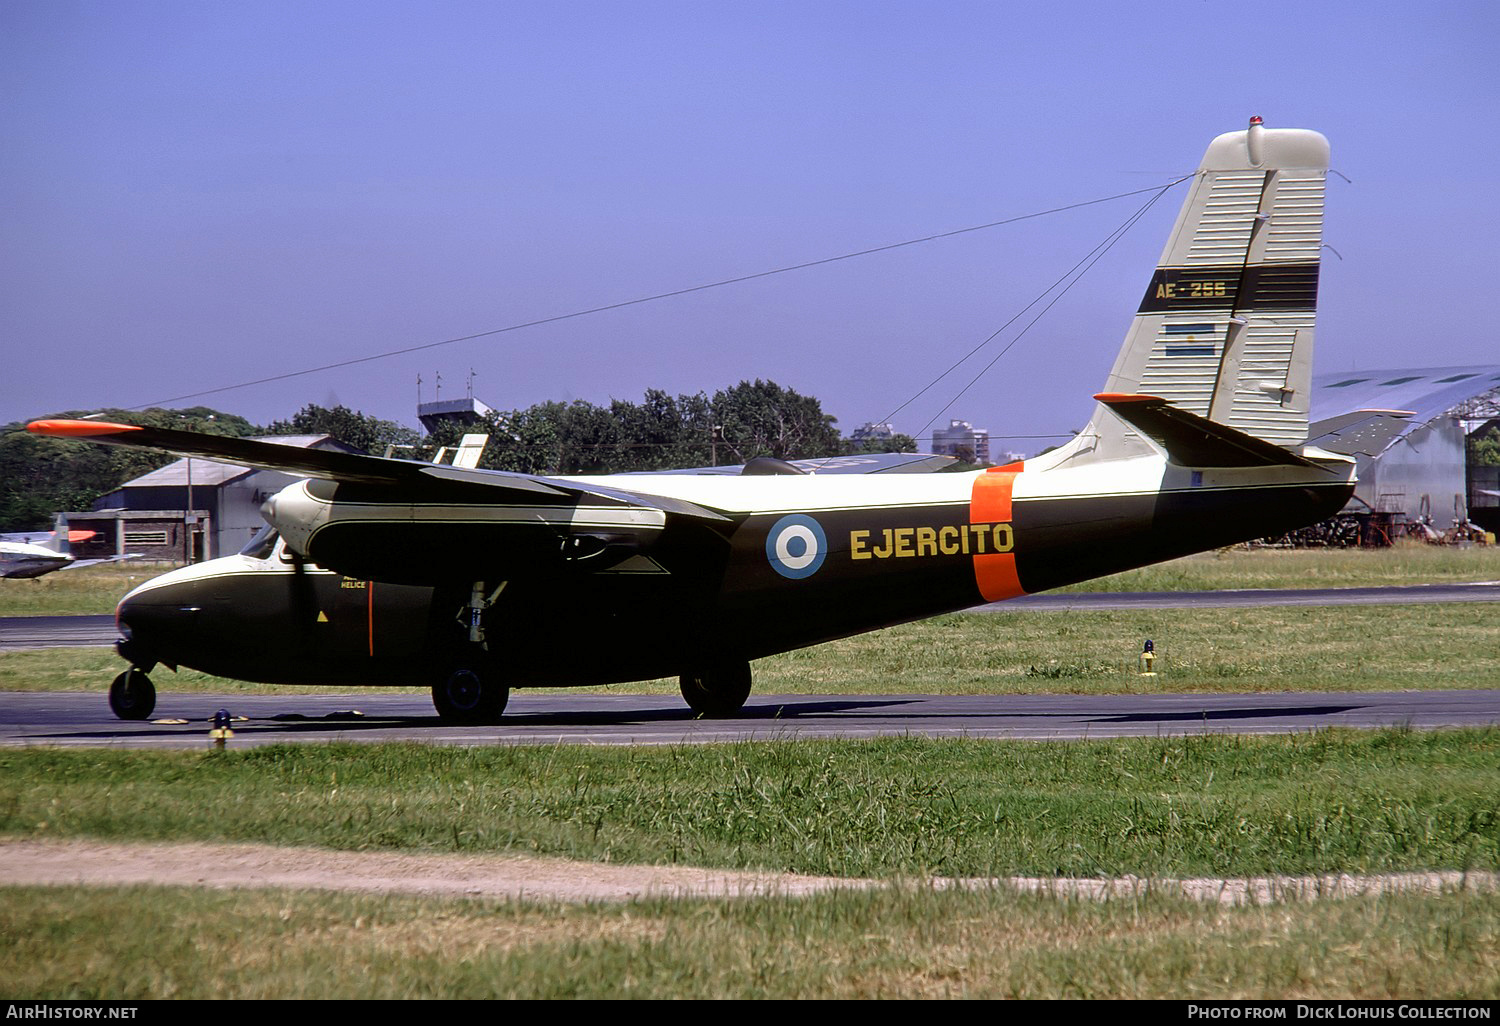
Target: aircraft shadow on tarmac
{"points": [[352, 723], [1229, 714]]}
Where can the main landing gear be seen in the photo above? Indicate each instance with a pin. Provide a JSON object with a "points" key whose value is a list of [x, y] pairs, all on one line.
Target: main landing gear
{"points": [[469, 690], [132, 696], [719, 690], [469, 694]]}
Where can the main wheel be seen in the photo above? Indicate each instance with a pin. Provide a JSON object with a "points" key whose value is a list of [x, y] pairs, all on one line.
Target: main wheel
{"points": [[718, 690], [132, 696], [469, 695]]}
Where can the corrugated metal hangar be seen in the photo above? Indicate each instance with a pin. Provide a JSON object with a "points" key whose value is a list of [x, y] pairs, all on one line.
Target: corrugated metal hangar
{"points": [[1407, 427]]}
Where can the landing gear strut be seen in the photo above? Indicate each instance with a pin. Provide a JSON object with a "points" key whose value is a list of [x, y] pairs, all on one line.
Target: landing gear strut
{"points": [[132, 696], [718, 690], [469, 690]]}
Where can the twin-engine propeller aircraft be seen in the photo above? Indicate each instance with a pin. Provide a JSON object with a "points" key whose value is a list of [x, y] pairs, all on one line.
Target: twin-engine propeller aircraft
{"points": [[386, 572]]}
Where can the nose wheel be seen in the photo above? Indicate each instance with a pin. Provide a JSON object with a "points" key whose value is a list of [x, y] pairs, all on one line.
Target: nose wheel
{"points": [[132, 696]]}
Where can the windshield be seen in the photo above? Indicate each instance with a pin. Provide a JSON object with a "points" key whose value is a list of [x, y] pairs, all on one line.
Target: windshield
{"points": [[262, 545]]}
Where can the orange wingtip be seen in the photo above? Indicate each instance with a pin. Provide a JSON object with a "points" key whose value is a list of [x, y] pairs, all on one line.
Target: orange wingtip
{"points": [[77, 428], [1126, 397]]}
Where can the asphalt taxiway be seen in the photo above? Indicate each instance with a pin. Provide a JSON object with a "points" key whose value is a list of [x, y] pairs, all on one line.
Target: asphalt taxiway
{"points": [[17, 632], [183, 721]]}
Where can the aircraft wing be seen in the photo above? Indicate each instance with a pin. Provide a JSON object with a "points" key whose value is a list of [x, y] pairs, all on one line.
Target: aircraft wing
{"points": [[353, 468], [863, 463], [1194, 441], [79, 564]]}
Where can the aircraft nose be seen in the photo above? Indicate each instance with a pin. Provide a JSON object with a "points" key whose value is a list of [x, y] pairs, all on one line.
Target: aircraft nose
{"points": [[154, 618], [142, 614]]}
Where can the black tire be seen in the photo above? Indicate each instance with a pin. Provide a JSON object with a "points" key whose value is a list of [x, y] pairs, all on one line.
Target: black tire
{"points": [[132, 696], [717, 691], [469, 695]]}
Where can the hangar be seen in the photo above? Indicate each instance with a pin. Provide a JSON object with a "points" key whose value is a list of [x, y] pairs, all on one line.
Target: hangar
{"points": [[1415, 475]]}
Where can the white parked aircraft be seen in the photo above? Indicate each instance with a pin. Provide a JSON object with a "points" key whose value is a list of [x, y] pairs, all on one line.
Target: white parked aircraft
{"points": [[35, 553]]}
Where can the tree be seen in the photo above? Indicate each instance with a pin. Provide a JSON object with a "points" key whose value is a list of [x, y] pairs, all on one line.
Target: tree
{"points": [[362, 432], [42, 476], [764, 419], [589, 439], [1484, 446], [662, 432], [896, 443], [525, 441]]}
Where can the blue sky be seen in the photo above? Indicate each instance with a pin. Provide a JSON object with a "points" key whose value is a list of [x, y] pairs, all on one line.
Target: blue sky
{"points": [[200, 194]]}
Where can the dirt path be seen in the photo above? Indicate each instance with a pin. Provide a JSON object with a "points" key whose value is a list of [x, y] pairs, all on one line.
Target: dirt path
{"points": [[98, 863]]}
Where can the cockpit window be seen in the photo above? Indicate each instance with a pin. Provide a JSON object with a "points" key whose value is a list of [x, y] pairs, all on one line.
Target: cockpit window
{"points": [[262, 545]]}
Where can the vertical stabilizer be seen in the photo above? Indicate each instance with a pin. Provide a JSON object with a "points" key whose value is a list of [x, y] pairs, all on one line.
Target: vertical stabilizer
{"points": [[61, 542], [1225, 329], [470, 449]]}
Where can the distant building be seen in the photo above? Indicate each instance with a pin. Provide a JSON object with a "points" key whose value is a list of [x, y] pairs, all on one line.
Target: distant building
{"points": [[871, 432], [463, 412], [964, 440]]}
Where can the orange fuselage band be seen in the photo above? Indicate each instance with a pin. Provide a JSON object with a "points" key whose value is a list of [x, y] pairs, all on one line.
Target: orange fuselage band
{"points": [[990, 503]]}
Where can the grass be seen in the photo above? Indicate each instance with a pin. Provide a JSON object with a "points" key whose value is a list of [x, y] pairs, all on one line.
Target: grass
{"points": [[1336, 800], [91, 589], [1242, 567], [1341, 648], [143, 943], [91, 669]]}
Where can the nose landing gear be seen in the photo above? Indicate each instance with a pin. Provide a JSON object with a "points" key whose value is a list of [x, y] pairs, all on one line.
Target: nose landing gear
{"points": [[132, 696]]}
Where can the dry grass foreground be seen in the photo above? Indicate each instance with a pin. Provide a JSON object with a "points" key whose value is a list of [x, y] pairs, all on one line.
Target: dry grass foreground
{"points": [[221, 866]]}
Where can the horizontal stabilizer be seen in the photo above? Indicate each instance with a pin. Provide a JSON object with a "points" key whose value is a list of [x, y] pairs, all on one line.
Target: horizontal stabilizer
{"points": [[1194, 441], [1361, 433]]}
